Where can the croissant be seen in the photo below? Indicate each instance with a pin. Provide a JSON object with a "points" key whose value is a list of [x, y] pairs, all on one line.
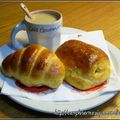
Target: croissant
{"points": [[34, 66], [86, 66]]}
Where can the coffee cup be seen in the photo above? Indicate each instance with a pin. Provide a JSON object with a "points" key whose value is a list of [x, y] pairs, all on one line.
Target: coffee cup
{"points": [[44, 28]]}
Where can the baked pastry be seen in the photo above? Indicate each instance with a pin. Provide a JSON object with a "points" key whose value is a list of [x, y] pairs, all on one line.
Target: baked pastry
{"points": [[34, 66], [86, 66]]}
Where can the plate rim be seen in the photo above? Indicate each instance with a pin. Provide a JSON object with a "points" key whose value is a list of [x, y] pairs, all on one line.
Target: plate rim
{"points": [[21, 101]]}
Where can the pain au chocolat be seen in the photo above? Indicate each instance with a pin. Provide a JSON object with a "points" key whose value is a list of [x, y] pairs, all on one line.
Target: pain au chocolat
{"points": [[86, 66], [34, 66]]}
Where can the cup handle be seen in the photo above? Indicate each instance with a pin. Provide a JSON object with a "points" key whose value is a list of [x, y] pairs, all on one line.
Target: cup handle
{"points": [[14, 42]]}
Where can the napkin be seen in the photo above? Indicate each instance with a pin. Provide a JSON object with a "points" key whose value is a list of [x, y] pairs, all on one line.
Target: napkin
{"points": [[65, 92]]}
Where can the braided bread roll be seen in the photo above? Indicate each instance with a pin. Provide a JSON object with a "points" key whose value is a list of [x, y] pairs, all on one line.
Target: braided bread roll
{"points": [[86, 66], [34, 66]]}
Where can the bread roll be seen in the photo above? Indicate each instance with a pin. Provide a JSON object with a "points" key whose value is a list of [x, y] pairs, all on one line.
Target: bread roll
{"points": [[34, 66], [86, 66]]}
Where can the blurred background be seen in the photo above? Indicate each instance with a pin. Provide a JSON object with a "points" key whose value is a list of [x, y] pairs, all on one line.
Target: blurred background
{"points": [[87, 16]]}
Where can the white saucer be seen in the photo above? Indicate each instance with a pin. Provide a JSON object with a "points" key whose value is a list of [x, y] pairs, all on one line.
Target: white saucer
{"points": [[50, 107]]}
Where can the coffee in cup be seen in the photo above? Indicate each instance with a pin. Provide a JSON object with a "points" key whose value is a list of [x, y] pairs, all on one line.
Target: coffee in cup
{"points": [[42, 18]]}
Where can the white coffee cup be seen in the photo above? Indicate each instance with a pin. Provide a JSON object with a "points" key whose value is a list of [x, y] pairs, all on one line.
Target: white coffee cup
{"points": [[47, 35]]}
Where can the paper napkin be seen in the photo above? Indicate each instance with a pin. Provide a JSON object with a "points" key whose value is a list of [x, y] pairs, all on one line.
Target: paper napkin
{"points": [[65, 92]]}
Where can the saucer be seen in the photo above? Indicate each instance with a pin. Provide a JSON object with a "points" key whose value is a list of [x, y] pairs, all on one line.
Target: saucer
{"points": [[73, 106]]}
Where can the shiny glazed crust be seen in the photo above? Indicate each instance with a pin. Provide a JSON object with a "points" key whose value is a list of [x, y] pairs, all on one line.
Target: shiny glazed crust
{"points": [[34, 66], [86, 65]]}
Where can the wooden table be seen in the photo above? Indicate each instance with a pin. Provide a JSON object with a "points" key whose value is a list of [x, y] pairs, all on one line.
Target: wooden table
{"points": [[82, 15]]}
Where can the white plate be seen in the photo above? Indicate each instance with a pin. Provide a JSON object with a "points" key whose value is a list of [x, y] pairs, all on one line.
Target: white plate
{"points": [[50, 107]]}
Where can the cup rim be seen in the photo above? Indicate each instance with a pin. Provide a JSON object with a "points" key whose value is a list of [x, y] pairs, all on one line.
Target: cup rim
{"points": [[45, 10]]}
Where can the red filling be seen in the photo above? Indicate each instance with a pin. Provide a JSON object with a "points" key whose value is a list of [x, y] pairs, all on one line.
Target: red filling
{"points": [[32, 89], [95, 88], [45, 88]]}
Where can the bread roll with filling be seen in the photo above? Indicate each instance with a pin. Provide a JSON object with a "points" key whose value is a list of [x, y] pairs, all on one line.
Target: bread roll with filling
{"points": [[34, 66], [86, 66]]}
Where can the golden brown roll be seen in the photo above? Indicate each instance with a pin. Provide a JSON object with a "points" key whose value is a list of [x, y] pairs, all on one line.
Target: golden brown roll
{"points": [[34, 66], [86, 66]]}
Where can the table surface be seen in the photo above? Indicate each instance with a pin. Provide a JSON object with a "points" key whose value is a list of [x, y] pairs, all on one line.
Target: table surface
{"points": [[82, 15]]}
